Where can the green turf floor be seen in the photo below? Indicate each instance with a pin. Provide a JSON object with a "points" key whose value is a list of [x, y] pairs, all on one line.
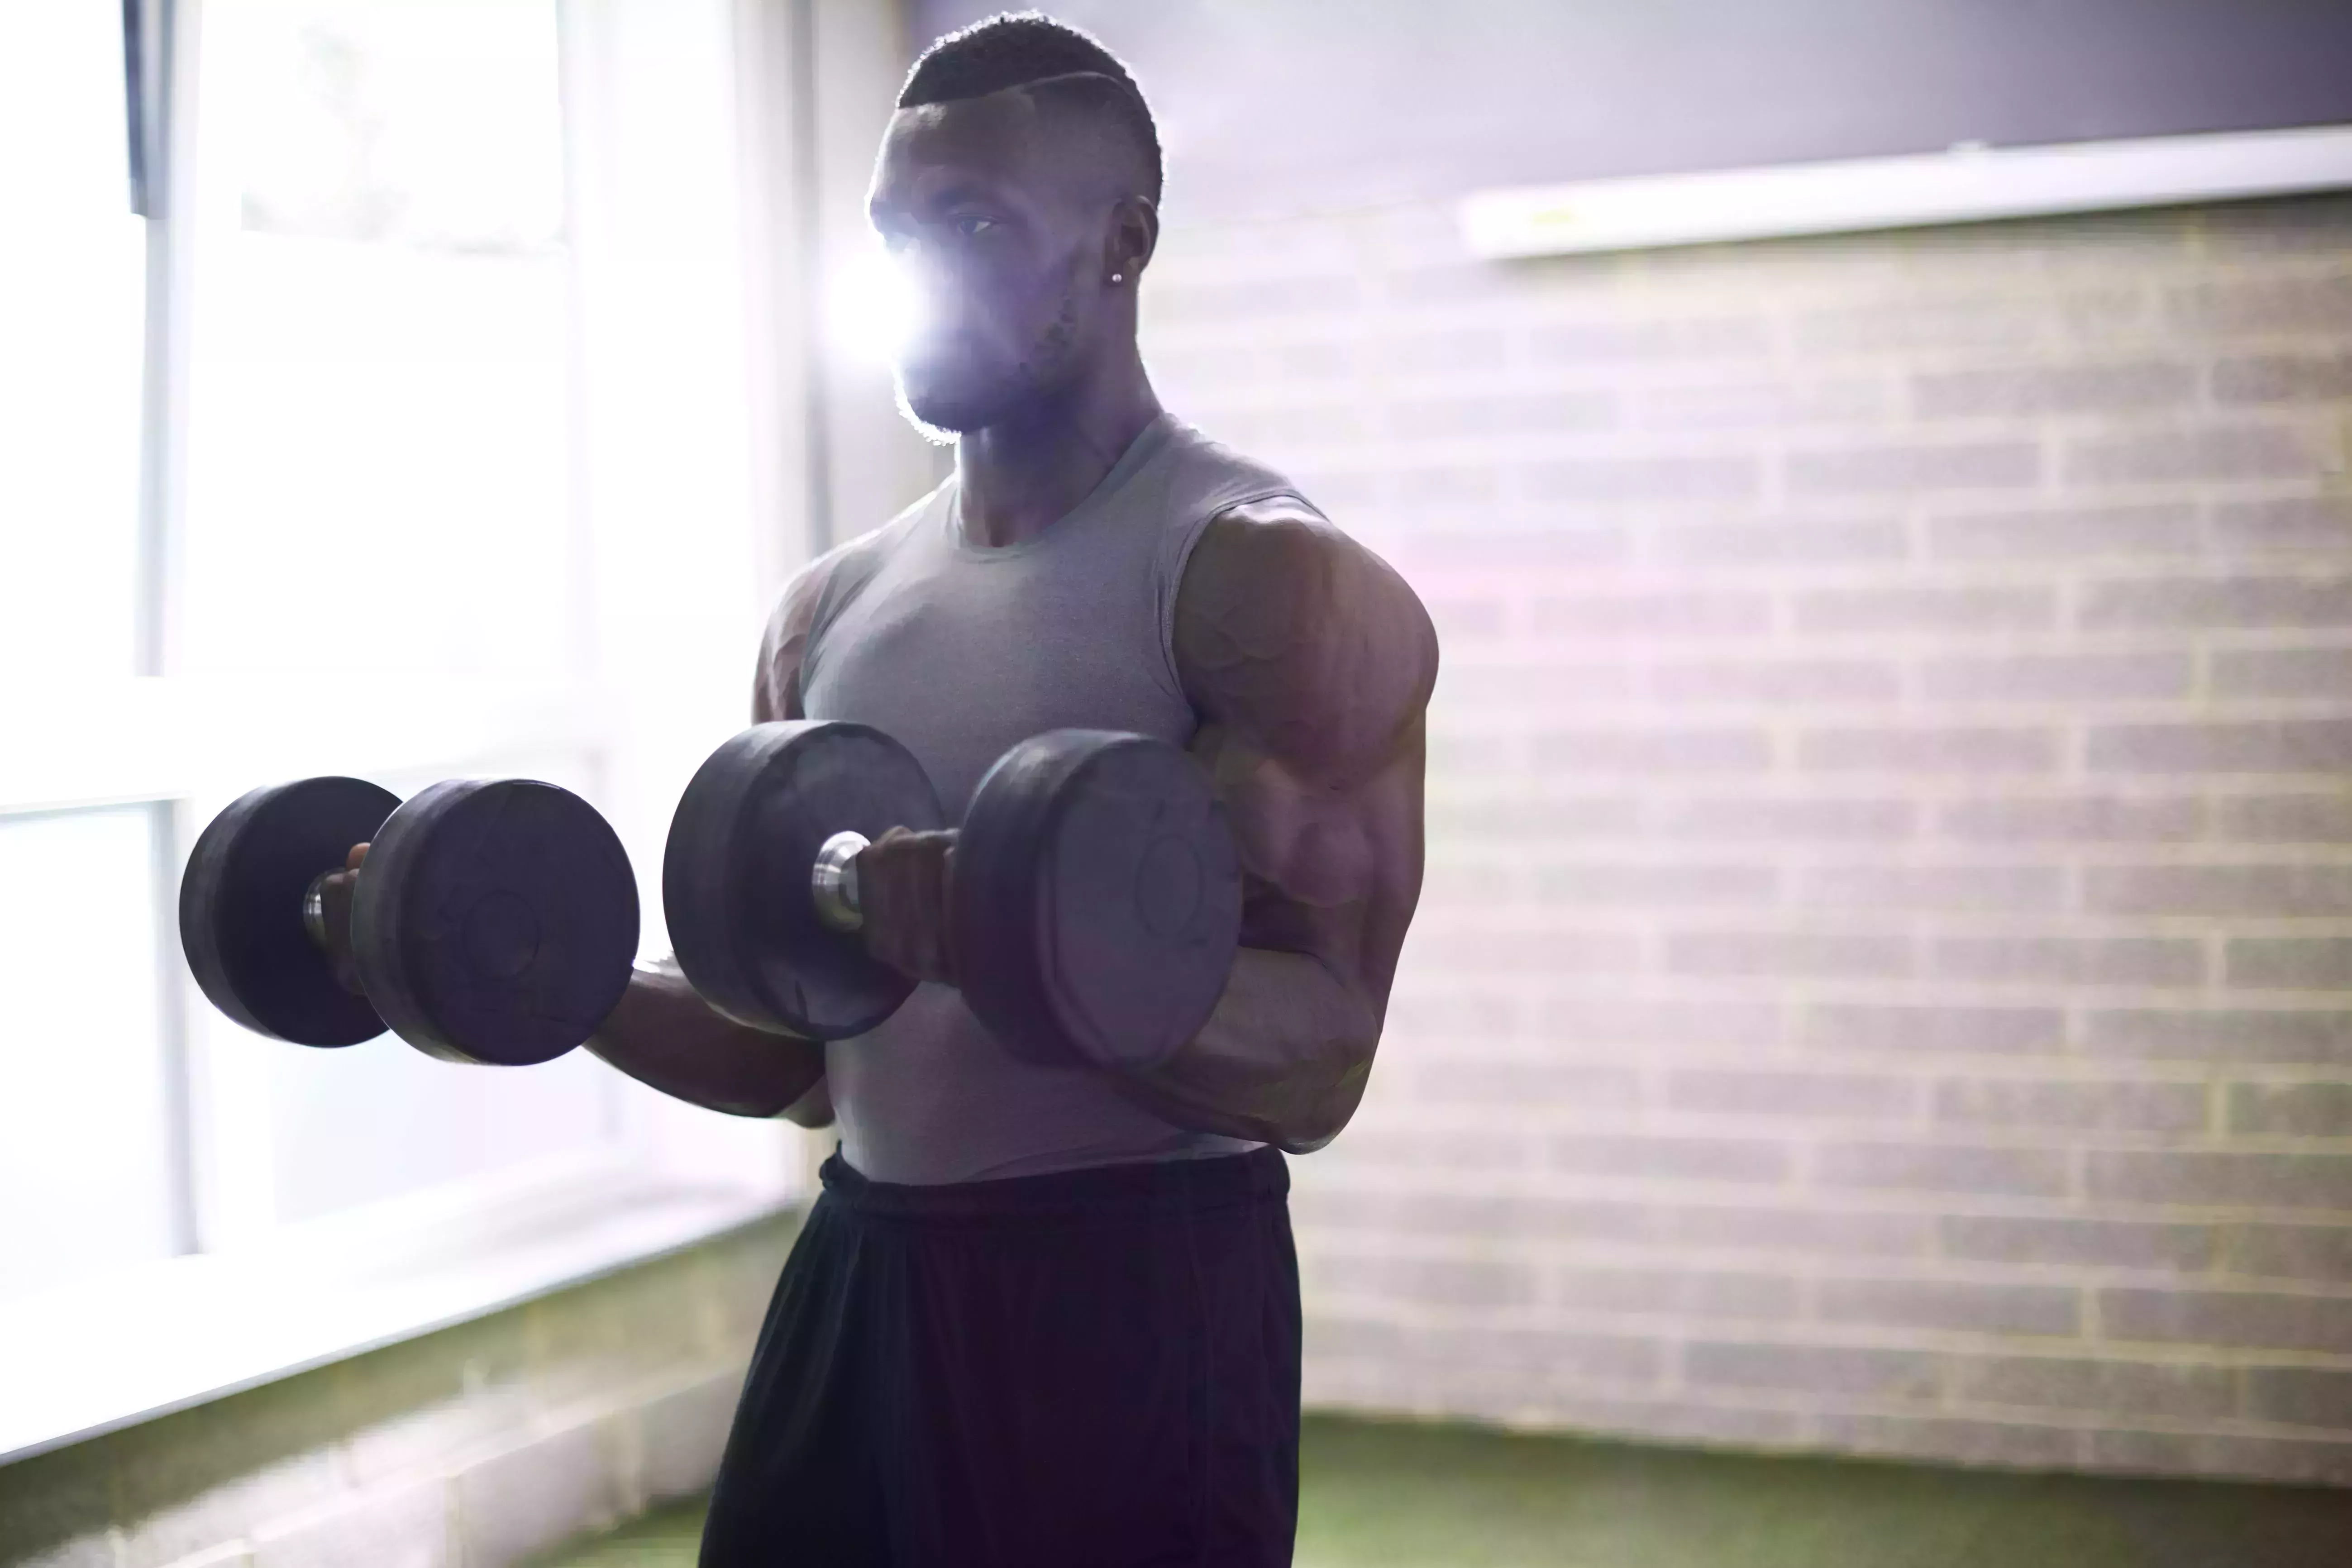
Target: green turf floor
{"points": [[1406, 1495]]}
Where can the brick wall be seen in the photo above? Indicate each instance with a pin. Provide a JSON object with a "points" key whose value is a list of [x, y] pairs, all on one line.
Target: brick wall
{"points": [[474, 1448], [1885, 976]]}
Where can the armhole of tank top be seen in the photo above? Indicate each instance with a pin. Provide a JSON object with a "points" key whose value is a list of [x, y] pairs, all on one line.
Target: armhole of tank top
{"points": [[1177, 551], [838, 591]]}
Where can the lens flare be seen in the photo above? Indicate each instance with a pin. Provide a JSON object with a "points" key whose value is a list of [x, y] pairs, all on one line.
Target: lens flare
{"points": [[873, 308]]}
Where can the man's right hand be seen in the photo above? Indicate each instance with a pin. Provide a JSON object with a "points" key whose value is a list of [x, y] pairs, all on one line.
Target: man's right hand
{"points": [[335, 916]]}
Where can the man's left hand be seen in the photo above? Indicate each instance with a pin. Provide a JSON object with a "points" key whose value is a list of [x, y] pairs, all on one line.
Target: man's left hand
{"points": [[903, 878]]}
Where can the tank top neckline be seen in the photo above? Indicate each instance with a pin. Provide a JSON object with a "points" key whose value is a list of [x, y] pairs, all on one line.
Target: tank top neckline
{"points": [[1148, 443]]}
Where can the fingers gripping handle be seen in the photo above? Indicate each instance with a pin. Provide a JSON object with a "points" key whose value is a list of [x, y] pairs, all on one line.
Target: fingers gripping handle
{"points": [[833, 881], [315, 922]]}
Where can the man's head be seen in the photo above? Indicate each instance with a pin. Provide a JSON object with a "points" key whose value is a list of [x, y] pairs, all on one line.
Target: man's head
{"points": [[1020, 183]]}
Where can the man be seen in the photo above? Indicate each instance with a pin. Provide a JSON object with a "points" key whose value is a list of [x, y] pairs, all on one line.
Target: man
{"points": [[1051, 1316]]}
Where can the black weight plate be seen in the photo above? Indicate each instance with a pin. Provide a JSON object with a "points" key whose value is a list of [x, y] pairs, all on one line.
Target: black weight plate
{"points": [[1099, 895], [735, 873], [241, 907], [495, 921]]}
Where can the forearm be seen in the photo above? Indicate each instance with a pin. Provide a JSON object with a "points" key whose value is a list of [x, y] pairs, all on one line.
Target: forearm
{"points": [[666, 1037], [1283, 1059]]}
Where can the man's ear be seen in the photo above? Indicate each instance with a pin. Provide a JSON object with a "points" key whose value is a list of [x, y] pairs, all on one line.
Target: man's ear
{"points": [[1134, 235]]}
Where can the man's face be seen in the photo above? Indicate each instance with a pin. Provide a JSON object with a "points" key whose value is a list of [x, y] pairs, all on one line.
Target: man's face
{"points": [[1002, 238]]}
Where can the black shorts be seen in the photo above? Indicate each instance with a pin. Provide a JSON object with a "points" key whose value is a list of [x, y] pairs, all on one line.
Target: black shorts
{"points": [[1096, 1368]]}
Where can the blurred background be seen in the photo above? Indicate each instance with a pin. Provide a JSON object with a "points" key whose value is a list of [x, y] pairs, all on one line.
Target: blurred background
{"points": [[1882, 475]]}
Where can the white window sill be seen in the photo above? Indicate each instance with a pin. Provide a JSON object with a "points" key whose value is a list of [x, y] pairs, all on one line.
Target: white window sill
{"points": [[108, 1352]]}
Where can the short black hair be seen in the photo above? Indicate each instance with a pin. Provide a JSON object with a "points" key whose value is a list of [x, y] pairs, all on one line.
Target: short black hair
{"points": [[1025, 48]]}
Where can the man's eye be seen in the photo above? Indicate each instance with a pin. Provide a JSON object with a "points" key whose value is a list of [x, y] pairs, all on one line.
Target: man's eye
{"points": [[970, 226]]}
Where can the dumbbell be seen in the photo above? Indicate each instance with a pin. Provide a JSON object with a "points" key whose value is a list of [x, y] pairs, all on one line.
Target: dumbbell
{"points": [[495, 919], [1096, 904]]}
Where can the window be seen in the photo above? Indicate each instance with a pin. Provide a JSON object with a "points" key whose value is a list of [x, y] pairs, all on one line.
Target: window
{"points": [[86, 1167], [87, 1097], [345, 462], [72, 286], [378, 475], [380, 372]]}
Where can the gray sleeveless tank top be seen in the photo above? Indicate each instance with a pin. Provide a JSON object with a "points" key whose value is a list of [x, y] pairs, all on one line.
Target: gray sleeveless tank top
{"points": [[959, 652]]}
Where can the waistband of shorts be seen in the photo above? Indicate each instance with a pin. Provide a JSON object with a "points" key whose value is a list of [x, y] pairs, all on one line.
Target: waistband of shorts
{"points": [[1138, 1187]]}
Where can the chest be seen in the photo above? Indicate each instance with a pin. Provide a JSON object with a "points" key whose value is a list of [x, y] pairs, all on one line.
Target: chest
{"points": [[960, 659]]}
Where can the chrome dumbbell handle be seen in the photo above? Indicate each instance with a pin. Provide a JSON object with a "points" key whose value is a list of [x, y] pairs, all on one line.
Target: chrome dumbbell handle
{"points": [[833, 881], [314, 908]]}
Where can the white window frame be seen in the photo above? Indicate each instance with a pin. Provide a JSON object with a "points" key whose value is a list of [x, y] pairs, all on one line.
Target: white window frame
{"points": [[648, 86]]}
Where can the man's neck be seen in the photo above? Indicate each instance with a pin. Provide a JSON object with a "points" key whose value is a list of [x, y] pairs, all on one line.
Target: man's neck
{"points": [[1017, 478]]}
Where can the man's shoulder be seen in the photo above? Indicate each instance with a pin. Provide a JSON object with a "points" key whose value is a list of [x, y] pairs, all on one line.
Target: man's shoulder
{"points": [[1288, 629], [847, 565], [816, 592], [1260, 548], [1279, 547], [1285, 619], [1210, 478]]}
